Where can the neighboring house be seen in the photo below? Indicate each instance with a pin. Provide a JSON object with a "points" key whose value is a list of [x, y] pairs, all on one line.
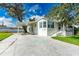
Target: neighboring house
{"points": [[39, 25]]}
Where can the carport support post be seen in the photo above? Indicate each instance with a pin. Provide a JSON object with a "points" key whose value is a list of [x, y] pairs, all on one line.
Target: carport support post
{"points": [[64, 30]]}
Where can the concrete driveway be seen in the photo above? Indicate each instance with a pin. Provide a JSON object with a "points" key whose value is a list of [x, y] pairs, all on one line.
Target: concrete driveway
{"points": [[32, 45]]}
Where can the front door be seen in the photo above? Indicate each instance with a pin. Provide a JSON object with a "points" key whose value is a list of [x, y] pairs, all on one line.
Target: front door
{"points": [[42, 28]]}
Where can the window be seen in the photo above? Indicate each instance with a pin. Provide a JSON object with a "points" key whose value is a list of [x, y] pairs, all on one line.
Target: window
{"points": [[50, 24], [44, 24], [40, 24]]}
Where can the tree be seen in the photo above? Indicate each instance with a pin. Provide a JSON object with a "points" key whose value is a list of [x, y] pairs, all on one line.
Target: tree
{"points": [[61, 13], [15, 10]]}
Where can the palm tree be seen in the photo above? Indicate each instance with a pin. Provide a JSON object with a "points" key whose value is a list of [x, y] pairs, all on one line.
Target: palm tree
{"points": [[15, 10]]}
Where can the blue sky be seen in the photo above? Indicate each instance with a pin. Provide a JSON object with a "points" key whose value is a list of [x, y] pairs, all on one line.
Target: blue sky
{"points": [[32, 9]]}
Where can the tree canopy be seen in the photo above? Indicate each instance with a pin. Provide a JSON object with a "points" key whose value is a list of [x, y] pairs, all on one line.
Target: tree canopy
{"points": [[65, 12], [15, 10]]}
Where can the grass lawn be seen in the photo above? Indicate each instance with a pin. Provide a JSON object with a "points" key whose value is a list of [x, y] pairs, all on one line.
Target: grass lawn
{"points": [[72, 39], [4, 35]]}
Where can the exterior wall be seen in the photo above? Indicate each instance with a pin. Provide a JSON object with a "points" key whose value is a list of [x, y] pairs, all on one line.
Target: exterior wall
{"points": [[51, 31]]}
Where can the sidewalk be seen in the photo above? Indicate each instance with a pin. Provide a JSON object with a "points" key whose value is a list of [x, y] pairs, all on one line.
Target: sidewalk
{"points": [[5, 44]]}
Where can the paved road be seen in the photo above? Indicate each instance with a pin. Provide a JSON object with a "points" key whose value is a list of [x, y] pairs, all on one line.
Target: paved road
{"points": [[32, 45]]}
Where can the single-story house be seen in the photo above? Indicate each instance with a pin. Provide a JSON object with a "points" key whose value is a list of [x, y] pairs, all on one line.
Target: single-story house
{"points": [[39, 25]]}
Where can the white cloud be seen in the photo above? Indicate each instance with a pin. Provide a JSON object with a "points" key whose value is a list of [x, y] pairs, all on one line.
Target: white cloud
{"points": [[7, 21], [1, 19], [35, 8]]}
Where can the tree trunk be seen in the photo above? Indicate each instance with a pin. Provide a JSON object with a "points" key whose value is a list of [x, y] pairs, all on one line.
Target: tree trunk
{"points": [[25, 29]]}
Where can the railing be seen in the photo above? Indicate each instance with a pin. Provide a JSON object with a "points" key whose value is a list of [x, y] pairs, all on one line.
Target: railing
{"points": [[57, 33]]}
